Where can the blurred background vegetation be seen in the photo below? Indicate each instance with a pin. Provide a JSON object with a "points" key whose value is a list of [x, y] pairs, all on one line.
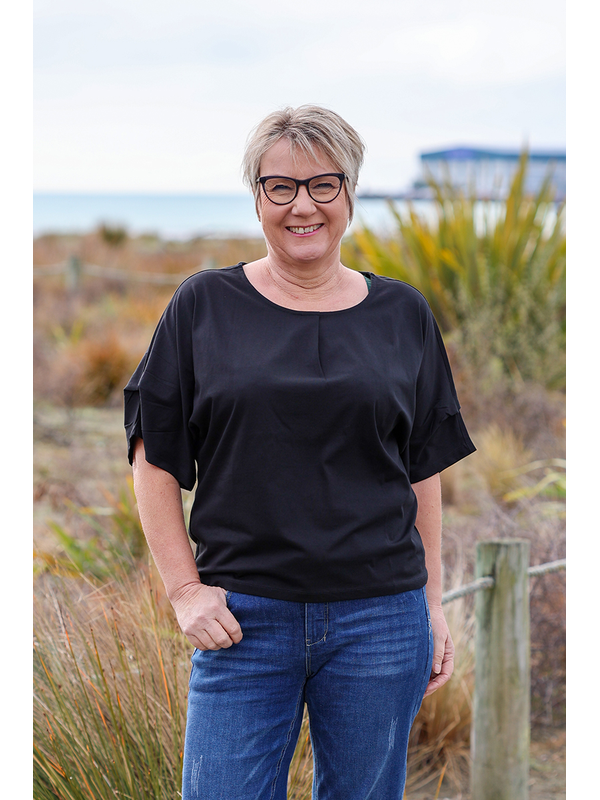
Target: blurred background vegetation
{"points": [[111, 667]]}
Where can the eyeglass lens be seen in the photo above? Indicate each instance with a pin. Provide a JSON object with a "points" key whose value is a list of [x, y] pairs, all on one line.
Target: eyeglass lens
{"points": [[322, 188]]}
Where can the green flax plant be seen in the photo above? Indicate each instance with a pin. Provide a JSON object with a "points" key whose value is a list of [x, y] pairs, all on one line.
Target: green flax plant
{"points": [[493, 273]]}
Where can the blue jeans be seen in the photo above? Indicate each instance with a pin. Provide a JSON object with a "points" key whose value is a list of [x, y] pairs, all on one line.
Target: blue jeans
{"points": [[361, 666]]}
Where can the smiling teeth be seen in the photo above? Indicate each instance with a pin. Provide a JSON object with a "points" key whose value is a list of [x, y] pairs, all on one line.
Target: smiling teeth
{"points": [[310, 229]]}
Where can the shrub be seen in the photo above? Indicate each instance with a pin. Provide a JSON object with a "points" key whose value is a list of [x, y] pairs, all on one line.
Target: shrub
{"points": [[113, 236], [85, 369]]}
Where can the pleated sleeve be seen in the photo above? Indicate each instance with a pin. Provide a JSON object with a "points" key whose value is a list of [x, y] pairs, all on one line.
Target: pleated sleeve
{"points": [[159, 397], [439, 437]]}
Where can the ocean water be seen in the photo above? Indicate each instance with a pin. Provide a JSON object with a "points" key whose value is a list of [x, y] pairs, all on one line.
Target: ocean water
{"points": [[170, 216]]}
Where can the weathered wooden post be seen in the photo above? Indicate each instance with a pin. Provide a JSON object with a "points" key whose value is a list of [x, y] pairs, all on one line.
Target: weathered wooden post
{"points": [[500, 731], [73, 273]]}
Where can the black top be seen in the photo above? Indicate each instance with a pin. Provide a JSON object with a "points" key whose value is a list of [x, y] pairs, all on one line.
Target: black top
{"points": [[307, 427]]}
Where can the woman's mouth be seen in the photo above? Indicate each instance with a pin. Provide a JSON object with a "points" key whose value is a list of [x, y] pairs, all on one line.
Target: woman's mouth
{"points": [[304, 231]]}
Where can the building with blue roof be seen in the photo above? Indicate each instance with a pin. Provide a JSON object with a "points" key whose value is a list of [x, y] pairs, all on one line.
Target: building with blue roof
{"points": [[490, 172]]}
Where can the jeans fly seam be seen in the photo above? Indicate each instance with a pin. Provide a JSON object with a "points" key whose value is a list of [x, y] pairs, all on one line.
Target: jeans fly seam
{"points": [[287, 743], [325, 631]]}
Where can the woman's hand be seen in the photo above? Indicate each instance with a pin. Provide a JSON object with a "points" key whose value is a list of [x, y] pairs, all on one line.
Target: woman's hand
{"points": [[443, 651], [204, 618]]}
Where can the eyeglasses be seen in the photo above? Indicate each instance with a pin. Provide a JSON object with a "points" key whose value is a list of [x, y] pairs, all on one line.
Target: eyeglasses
{"points": [[322, 188]]}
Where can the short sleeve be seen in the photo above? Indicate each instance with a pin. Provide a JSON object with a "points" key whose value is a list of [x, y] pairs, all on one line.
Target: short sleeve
{"points": [[159, 397], [439, 437]]}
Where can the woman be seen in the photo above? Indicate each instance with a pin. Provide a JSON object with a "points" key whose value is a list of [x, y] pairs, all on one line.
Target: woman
{"points": [[317, 405]]}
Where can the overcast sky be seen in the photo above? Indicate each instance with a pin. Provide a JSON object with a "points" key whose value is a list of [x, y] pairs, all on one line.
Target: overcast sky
{"points": [[139, 95]]}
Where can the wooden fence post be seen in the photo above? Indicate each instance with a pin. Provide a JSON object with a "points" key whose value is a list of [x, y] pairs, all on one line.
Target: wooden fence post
{"points": [[500, 733], [73, 273]]}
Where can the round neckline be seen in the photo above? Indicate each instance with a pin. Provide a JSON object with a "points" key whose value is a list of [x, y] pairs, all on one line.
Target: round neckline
{"points": [[241, 265]]}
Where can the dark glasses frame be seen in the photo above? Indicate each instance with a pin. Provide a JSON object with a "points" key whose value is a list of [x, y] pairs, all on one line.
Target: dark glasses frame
{"points": [[305, 182]]}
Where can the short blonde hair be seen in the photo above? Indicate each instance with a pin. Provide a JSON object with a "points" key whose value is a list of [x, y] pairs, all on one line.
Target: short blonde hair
{"points": [[309, 128]]}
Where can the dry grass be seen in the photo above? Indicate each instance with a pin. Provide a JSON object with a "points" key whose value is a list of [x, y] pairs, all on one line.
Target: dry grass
{"points": [[500, 453], [439, 742], [110, 673], [89, 338]]}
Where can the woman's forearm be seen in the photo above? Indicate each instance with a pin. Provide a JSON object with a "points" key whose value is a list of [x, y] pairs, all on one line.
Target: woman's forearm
{"points": [[201, 610], [429, 525], [161, 513]]}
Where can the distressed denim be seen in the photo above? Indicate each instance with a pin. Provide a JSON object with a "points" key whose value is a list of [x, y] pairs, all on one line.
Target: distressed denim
{"points": [[361, 667]]}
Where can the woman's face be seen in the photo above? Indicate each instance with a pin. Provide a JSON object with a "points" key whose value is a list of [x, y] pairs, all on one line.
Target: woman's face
{"points": [[303, 231]]}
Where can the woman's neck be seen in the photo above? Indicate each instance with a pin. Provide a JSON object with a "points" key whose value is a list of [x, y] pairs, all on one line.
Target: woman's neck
{"points": [[307, 288], [313, 281]]}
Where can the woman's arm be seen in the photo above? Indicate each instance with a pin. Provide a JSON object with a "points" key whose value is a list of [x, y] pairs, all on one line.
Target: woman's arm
{"points": [[429, 525], [201, 610]]}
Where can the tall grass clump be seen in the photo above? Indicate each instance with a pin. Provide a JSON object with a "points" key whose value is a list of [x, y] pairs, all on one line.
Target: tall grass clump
{"points": [[110, 672], [439, 744], [494, 274]]}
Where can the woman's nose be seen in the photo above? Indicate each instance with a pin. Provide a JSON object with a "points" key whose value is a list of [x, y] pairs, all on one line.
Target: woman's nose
{"points": [[303, 202]]}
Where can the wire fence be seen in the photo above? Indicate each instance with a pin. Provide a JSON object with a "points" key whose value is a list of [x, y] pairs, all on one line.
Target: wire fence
{"points": [[74, 269], [489, 582]]}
